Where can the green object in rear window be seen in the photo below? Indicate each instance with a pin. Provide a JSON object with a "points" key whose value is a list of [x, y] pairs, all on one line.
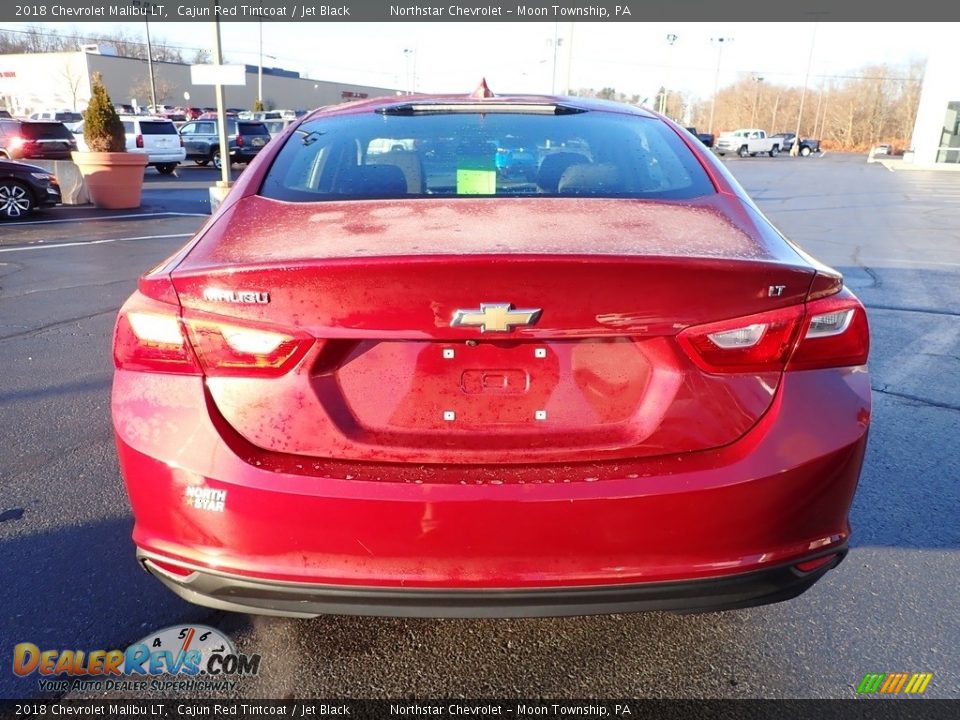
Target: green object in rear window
{"points": [[476, 173]]}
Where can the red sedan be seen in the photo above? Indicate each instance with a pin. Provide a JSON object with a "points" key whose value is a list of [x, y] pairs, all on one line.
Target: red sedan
{"points": [[386, 379]]}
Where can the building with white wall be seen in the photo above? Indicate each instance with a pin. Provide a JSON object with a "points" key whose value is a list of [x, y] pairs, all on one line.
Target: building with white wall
{"points": [[61, 81], [936, 133]]}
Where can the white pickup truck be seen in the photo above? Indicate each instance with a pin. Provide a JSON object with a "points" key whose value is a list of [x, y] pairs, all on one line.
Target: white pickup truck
{"points": [[748, 141]]}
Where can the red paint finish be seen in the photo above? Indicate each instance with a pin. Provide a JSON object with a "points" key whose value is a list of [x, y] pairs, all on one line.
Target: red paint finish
{"points": [[690, 402], [779, 494]]}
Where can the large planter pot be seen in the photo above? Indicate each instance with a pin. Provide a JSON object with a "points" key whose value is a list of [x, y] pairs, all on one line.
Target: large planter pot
{"points": [[114, 180]]}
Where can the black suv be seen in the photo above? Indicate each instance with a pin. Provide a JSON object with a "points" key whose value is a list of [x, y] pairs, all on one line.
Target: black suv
{"points": [[35, 139], [202, 142]]}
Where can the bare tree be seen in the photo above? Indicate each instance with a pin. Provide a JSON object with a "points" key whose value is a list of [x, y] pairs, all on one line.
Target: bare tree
{"points": [[72, 78], [164, 88]]}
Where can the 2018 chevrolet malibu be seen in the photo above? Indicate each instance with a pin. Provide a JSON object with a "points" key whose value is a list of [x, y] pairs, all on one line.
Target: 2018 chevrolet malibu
{"points": [[386, 379]]}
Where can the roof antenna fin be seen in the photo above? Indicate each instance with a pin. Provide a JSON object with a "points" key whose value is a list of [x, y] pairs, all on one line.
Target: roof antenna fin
{"points": [[482, 91]]}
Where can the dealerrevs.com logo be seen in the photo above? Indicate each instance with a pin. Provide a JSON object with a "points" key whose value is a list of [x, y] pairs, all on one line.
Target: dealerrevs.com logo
{"points": [[180, 657]]}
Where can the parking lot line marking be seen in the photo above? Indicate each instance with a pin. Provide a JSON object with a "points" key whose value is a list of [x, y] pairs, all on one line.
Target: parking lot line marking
{"points": [[40, 246], [113, 217]]}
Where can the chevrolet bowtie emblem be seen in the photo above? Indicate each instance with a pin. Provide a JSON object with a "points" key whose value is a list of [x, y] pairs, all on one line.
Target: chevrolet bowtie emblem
{"points": [[496, 317]]}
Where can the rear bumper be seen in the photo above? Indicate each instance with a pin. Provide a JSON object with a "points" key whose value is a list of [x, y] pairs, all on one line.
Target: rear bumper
{"points": [[40, 155], [162, 158], [239, 594], [689, 532], [244, 154]]}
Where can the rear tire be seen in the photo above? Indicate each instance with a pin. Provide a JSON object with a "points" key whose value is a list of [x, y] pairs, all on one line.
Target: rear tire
{"points": [[804, 151], [203, 163], [774, 151], [16, 200], [743, 151], [166, 168], [217, 162]]}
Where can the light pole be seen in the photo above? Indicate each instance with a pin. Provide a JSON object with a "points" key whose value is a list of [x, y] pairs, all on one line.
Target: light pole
{"points": [[671, 39], [258, 105], [806, 79], [153, 84], [221, 105], [719, 42], [410, 55], [756, 100], [556, 44], [566, 90]]}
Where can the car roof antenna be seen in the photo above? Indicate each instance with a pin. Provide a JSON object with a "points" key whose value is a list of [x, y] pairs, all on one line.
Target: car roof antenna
{"points": [[482, 91]]}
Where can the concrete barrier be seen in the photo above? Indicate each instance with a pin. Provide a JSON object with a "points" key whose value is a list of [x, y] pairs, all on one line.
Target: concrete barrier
{"points": [[72, 189]]}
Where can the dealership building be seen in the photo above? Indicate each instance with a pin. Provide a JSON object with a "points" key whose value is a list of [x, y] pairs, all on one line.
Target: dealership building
{"points": [[61, 81], [936, 134]]}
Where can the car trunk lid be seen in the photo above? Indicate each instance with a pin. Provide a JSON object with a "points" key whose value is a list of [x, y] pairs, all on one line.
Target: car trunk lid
{"points": [[594, 294]]}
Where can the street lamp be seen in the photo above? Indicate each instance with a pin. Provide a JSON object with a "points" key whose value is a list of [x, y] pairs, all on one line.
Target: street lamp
{"points": [[806, 80], [258, 105], [719, 42], [671, 39], [556, 42], [153, 82], [411, 55], [756, 99]]}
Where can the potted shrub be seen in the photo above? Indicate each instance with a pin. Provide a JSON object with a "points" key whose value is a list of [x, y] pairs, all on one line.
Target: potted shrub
{"points": [[113, 176]]}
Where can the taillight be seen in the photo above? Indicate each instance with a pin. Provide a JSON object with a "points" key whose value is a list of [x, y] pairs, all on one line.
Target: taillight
{"points": [[835, 334], [16, 142], [239, 140], [139, 141], [225, 348], [755, 343], [181, 142], [151, 335], [828, 332]]}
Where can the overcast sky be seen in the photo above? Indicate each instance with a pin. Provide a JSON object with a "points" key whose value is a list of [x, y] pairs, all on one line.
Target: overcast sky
{"points": [[634, 58]]}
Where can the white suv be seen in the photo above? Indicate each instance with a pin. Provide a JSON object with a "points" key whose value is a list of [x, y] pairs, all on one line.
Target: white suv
{"points": [[155, 136]]}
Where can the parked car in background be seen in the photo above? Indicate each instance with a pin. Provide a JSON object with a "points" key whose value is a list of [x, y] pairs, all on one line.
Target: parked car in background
{"points": [[189, 113], [213, 115], [38, 140], [747, 142], [275, 127], [25, 187], [706, 138], [882, 150], [64, 116], [245, 138], [5, 114], [382, 384], [808, 146], [156, 137]]}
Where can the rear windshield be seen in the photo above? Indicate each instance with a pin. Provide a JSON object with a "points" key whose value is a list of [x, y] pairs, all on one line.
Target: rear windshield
{"points": [[157, 128], [599, 154], [253, 128], [45, 131]]}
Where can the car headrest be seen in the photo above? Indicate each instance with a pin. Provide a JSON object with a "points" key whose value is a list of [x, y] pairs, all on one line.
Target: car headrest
{"points": [[374, 181], [600, 179], [410, 165], [553, 167]]}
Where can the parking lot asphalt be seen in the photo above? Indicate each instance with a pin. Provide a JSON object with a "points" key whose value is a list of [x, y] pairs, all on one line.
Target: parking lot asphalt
{"points": [[69, 578]]}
